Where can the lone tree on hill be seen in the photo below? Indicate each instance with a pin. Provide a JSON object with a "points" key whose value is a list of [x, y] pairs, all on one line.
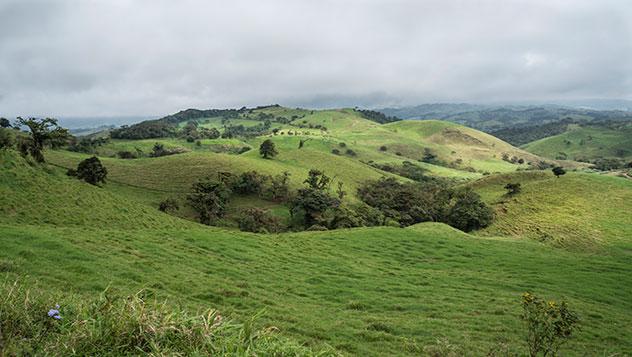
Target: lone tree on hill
{"points": [[558, 171], [91, 171], [43, 132], [267, 149], [209, 198]]}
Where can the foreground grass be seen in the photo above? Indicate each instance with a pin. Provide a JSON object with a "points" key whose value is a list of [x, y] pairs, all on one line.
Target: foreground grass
{"points": [[372, 291], [33, 323]]}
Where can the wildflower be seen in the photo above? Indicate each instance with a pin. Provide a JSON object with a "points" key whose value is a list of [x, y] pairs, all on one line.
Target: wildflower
{"points": [[54, 313]]}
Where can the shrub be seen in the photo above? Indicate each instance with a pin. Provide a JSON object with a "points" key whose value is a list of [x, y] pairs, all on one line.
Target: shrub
{"points": [[250, 182], [383, 148], [169, 205], [335, 151], [468, 212], [7, 138], [513, 188], [92, 171], [549, 324], [124, 154], [350, 152], [558, 171], [342, 145], [279, 188], [258, 220]]}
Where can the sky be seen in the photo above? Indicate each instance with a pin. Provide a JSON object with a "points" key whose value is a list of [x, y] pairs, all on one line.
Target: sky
{"points": [[155, 57]]}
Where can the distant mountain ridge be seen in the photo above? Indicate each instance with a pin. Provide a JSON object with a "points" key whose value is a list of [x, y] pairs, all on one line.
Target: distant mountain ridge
{"points": [[490, 118]]}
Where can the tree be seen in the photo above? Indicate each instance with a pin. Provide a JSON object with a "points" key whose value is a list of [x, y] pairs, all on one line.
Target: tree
{"points": [[209, 198], [43, 132], [5, 123], [317, 180], [311, 203], [558, 171], [468, 212], [92, 171], [267, 149], [249, 182], [279, 189], [513, 188]]}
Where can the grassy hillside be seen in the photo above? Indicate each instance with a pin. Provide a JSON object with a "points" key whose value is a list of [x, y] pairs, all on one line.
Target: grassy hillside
{"points": [[586, 143], [367, 291], [577, 211]]}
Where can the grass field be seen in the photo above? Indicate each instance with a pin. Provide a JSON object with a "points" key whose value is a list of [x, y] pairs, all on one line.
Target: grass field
{"points": [[586, 143], [367, 291]]}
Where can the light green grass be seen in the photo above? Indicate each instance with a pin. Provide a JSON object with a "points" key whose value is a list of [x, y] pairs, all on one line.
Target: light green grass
{"points": [[586, 143]]}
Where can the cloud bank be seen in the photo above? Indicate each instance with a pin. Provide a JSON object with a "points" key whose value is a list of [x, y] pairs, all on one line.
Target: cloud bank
{"points": [[145, 57]]}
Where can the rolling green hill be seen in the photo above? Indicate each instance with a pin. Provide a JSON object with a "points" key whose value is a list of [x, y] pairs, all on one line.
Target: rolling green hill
{"points": [[367, 291], [587, 142]]}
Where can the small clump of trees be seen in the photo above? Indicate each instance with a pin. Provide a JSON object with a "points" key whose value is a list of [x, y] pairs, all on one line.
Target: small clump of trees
{"points": [[42, 133]]}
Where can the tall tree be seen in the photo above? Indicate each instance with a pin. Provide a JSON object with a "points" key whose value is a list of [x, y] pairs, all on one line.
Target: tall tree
{"points": [[43, 132]]}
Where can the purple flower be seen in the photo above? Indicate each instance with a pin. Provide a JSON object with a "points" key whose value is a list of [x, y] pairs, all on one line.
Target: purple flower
{"points": [[54, 313]]}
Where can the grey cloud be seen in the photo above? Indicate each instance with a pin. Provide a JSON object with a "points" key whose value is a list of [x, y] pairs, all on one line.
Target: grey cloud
{"points": [[151, 57]]}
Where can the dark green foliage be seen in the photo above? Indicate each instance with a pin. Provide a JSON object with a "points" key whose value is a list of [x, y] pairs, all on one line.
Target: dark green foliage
{"points": [[377, 116], [267, 149], [7, 138], [429, 156], [406, 203], [258, 220], [86, 145], [160, 150], [350, 152], [383, 148], [145, 130], [43, 133], [468, 212], [169, 205], [549, 324], [124, 154], [521, 135], [607, 164], [342, 145], [209, 198], [317, 180], [92, 171], [310, 204], [279, 188], [5, 123], [513, 188], [558, 171], [250, 182], [335, 151]]}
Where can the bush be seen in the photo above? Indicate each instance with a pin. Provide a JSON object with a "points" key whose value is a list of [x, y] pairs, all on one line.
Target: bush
{"points": [[250, 182], [92, 171], [350, 152], [468, 212], [7, 138], [549, 324], [126, 154], [111, 325], [267, 149], [169, 205], [558, 171], [383, 148], [335, 151], [513, 188], [258, 220]]}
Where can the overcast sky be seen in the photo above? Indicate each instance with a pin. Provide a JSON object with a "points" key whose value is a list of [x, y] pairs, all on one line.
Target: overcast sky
{"points": [[154, 57]]}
